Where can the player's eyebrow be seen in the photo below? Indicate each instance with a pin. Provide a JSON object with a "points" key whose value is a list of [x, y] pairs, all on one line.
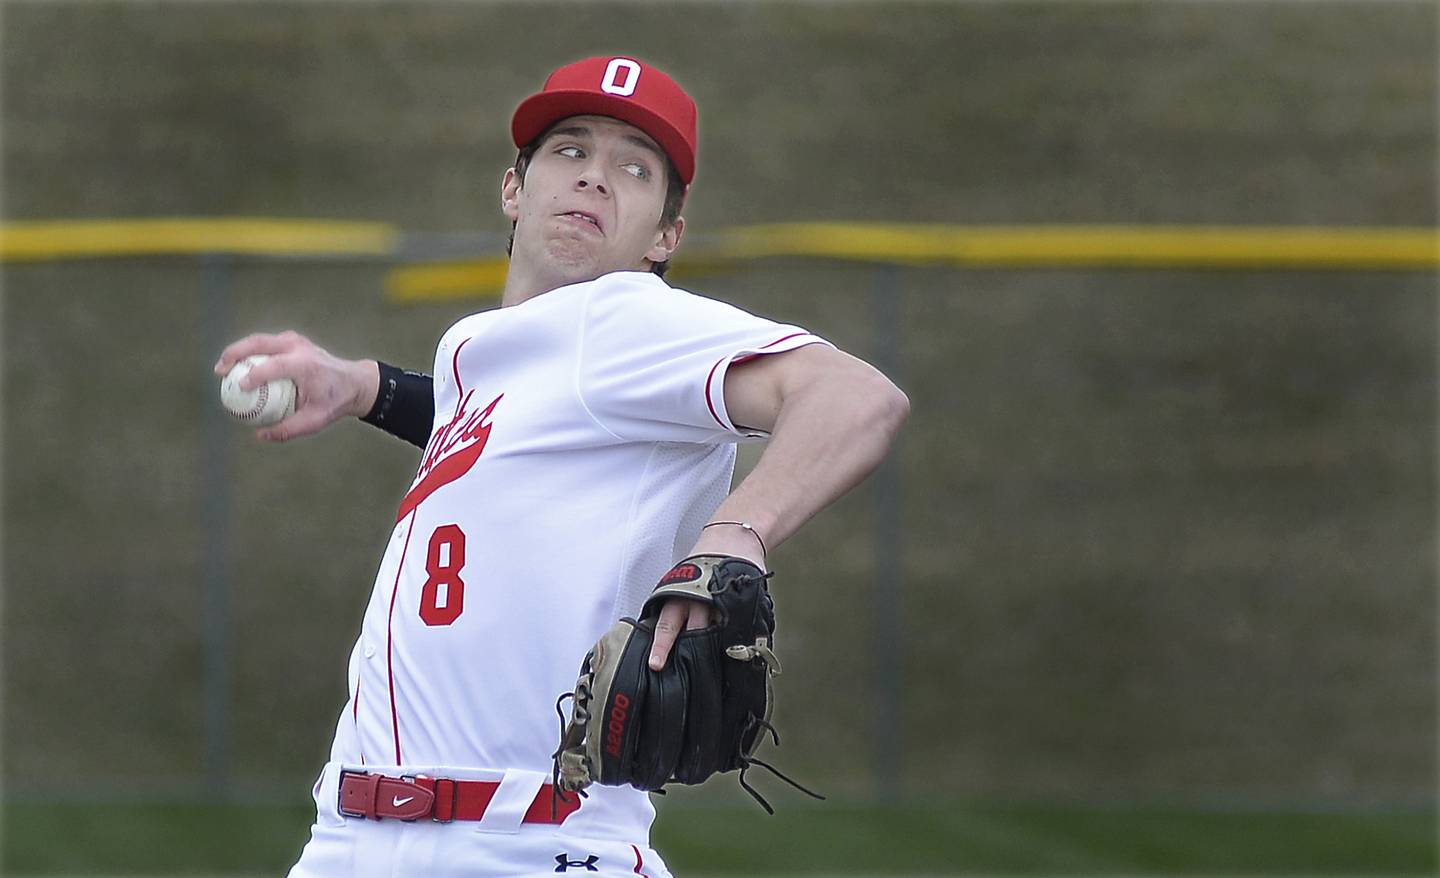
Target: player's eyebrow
{"points": [[571, 131], [646, 145], [583, 132]]}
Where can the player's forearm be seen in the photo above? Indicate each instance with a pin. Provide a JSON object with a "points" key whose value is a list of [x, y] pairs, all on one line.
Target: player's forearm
{"points": [[365, 381], [828, 436]]}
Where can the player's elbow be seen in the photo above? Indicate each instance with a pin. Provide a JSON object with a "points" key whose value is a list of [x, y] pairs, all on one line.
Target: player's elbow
{"points": [[855, 395], [878, 406], [899, 407], [890, 405]]}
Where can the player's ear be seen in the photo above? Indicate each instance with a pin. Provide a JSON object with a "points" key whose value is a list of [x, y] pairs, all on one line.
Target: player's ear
{"points": [[510, 195], [667, 241]]}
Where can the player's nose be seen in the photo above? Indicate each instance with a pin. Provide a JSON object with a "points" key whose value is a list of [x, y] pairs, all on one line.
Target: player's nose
{"points": [[591, 177]]}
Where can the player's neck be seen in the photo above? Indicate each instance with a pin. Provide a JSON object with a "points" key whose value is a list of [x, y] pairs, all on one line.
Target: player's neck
{"points": [[523, 284]]}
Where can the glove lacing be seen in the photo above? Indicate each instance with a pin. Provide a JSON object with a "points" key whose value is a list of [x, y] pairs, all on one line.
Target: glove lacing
{"points": [[748, 759], [556, 795]]}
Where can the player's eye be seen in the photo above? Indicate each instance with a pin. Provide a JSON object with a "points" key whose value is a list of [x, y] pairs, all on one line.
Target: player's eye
{"points": [[573, 152], [637, 170]]}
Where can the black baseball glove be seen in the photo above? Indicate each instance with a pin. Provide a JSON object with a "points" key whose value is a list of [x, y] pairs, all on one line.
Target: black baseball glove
{"points": [[705, 712]]}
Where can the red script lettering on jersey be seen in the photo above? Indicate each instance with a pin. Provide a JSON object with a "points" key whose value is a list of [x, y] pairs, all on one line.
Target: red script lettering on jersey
{"points": [[448, 457]]}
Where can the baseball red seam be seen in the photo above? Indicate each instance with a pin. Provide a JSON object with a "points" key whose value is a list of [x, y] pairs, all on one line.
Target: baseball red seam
{"points": [[262, 396]]}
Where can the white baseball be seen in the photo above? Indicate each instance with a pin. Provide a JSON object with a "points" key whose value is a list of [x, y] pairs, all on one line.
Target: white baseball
{"points": [[270, 403]]}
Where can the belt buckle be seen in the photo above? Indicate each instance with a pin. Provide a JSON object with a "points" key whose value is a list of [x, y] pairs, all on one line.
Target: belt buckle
{"points": [[366, 808], [411, 779]]}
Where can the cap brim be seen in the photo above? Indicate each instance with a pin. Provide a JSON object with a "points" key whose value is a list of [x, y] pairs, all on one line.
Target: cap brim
{"points": [[538, 112]]}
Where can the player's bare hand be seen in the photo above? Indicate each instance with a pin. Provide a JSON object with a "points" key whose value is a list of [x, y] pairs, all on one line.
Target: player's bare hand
{"points": [[327, 387], [680, 614], [676, 615]]}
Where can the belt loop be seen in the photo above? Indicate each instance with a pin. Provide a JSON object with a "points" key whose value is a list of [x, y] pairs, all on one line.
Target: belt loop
{"points": [[444, 800], [512, 799]]}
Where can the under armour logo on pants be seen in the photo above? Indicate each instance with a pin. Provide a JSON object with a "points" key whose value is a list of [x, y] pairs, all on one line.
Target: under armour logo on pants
{"points": [[588, 864]]}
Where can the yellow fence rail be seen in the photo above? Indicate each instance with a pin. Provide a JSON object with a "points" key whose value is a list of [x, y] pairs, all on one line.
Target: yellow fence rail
{"points": [[1205, 247], [972, 246], [94, 239]]}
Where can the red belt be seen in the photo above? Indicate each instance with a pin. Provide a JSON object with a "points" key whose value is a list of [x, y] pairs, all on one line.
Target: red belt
{"points": [[439, 799]]}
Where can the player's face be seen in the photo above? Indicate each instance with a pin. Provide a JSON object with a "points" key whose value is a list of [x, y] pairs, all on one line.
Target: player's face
{"points": [[590, 202]]}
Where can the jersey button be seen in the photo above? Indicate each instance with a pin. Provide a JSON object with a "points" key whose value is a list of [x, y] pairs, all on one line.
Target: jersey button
{"points": [[369, 651]]}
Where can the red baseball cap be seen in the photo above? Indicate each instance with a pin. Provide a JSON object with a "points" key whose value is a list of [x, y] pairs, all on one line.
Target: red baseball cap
{"points": [[621, 88]]}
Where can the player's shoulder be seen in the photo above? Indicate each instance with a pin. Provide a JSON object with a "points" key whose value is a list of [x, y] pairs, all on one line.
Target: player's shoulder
{"points": [[646, 293], [460, 330]]}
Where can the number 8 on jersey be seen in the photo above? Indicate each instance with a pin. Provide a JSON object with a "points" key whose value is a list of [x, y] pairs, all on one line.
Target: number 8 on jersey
{"points": [[442, 599]]}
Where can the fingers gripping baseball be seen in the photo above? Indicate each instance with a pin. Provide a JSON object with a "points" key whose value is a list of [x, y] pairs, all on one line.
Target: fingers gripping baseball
{"points": [[678, 614], [327, 387]]}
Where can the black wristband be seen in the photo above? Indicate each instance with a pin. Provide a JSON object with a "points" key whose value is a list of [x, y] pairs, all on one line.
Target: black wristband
{"points": [[404, 405]]}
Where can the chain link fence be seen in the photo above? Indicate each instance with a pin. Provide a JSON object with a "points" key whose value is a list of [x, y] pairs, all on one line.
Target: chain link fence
{"points": [[1150, 535]]}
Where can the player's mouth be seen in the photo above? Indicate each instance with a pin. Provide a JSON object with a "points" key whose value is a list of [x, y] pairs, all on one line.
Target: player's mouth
{"points": [[584, 217]]}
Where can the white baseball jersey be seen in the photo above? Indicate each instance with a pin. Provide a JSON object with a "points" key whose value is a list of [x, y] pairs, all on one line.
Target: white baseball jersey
{"points": [[580, 441]]}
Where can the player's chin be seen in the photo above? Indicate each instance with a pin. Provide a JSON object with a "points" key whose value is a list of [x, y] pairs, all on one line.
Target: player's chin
{"points": [[570, 247], [575, 260]]}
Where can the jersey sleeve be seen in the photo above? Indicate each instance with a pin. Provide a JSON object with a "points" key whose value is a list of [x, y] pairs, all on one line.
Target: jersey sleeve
{"points": [[653, 361]]}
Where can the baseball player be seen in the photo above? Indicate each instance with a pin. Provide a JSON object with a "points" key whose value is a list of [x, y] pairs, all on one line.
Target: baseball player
{"points": [[577, 441]]}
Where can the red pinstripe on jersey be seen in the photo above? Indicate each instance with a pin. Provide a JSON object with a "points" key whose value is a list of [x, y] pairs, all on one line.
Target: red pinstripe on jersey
{"points": [[455, 369], [356, 716], [710, 379], [390, 641], [710, 405]]}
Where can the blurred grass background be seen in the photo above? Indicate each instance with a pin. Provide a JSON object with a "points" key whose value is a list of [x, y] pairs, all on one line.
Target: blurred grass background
{"points": [[1169, 535], [836, 839]]}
